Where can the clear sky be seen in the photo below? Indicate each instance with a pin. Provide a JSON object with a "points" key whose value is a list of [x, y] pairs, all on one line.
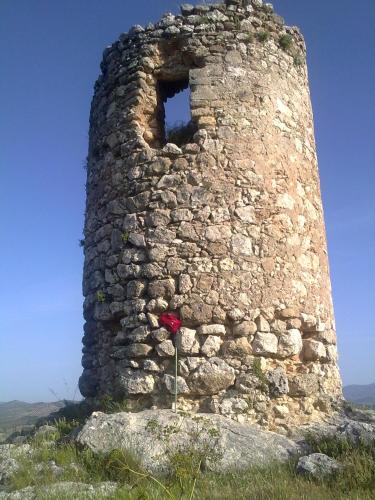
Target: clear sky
{"points": [[49, 60]]}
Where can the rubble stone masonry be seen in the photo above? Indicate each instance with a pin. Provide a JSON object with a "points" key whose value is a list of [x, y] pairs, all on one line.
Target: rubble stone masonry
{"points": [[226, 229]]}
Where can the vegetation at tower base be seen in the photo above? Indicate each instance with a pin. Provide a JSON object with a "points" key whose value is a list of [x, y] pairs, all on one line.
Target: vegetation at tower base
{"points": [[53, 464], [222, 227]]}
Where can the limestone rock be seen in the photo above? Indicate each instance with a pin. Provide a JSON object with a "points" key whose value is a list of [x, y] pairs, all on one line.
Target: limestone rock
{"points": [[278, 382], [165, 349], [265, 344], [211, 346], [290, 343], [318, 465], [211, 330], [211, 377], [237, 348], [134, 382], [237, 446], [303, 384], [182, 387], [244, 329], [186, 341], [64, 489], [132, 351], [262, 324], [247, 382], [8, 466], [314, 350]]}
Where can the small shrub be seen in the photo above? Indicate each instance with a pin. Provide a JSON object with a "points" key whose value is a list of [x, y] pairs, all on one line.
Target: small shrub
{"points": [[73, 412], [125, 237], [263, 36], [109, 405], [336, 447], [298, 60], [249, 38], [65, 426], [81, 243], [285, 42], [258, 372], [101, 297]]}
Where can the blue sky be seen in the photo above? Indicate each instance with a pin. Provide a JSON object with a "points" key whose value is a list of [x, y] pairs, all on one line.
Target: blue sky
{"points": [[49, 61]]}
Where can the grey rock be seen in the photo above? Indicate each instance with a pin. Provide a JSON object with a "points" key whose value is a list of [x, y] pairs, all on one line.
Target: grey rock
{"points": [[235, 446], [186, 341], [8, 466], [278, 382], [187, 9], [245, 328], [247, 383], [211, 346], [211, 330], [166, 349], [64, 489], [303, 384], [132, 351], [317, 465], [182, 387], [211, 377], [134, 382], [265, 344], [290, 343]]}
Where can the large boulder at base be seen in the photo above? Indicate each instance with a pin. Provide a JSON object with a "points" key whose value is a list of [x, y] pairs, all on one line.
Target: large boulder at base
{"points": [[153, 435], [318, 465], [66, 489]]}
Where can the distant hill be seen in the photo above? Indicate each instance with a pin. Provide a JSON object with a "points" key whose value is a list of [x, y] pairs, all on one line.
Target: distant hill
{"points": [[16, 415], [360, 394]]}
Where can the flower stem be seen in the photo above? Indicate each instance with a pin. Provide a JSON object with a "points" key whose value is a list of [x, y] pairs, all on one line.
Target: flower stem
{"points": [[175, 381]]}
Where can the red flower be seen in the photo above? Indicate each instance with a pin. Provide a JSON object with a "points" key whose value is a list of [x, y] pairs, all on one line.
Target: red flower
{"points": [[170, 322]]}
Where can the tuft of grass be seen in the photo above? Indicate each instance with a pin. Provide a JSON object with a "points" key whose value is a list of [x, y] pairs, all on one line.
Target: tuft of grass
{"points": [[101, 297], [258, 372], [125, 236], [286, 42], [263, 36], [298, 60], [249, 38]]}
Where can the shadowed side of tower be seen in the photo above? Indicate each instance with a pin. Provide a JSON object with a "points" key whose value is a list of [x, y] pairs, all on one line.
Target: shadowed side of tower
{"points": [[226, 230]]}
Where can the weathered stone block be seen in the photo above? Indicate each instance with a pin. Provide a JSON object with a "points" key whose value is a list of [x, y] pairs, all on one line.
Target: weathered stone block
{"points": [[290, 343], [314, 350], [265, 344], [212, 330], [211, 346], [186, 341], [211, 377], [245, 329]]}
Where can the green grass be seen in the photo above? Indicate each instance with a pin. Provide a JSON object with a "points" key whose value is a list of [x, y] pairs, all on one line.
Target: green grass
{"points": [[286, 42], [263, 36], [188, 478]]}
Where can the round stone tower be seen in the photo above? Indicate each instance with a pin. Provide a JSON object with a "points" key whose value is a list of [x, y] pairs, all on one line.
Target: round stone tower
{"points": [[222, 224]]}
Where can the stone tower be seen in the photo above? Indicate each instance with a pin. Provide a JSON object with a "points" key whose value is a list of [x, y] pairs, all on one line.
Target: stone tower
{"points": [[223, 227]]}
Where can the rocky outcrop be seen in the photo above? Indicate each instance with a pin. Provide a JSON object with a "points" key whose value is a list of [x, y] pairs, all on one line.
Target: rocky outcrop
{"points": [[317, 465], [66, 489], [152, 436]]}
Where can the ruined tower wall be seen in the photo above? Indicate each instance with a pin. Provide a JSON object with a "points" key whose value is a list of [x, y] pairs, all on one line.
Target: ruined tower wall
{"points": [[227, 230]]}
